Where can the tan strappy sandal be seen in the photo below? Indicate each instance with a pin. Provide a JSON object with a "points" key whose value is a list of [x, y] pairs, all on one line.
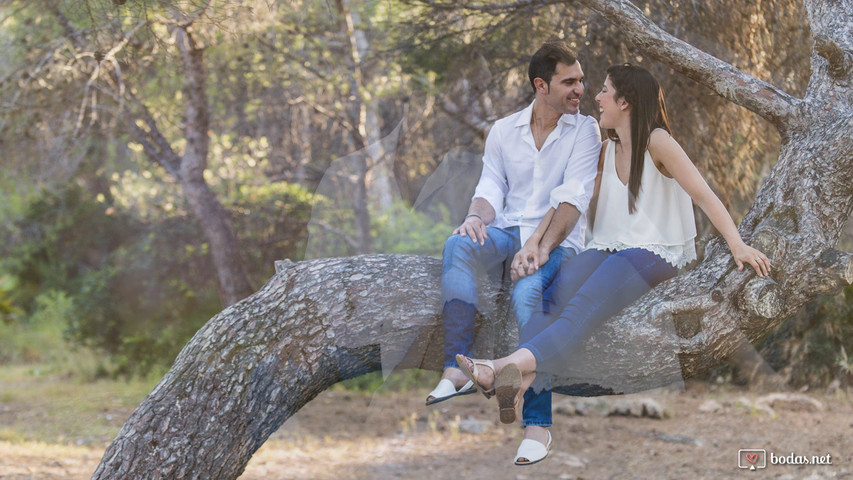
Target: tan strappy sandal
{"points": [[473, 374]]}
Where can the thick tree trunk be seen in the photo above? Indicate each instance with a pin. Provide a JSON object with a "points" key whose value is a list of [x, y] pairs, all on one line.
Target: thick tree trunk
{"points": [[259, 361], [318, 322]]}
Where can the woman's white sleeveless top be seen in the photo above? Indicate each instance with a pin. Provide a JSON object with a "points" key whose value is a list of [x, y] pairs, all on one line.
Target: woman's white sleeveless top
{"points": [[662, 222]]}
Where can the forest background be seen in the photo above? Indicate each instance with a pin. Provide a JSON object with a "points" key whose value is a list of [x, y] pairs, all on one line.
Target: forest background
{"points": [[158, 157]]}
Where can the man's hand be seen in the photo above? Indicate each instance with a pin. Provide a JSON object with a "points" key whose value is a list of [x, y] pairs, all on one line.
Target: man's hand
{"points": [[527, 261], [473, 227]]}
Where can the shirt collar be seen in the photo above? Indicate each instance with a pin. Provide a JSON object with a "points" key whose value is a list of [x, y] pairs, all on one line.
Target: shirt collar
{"points": [[524, 118]]}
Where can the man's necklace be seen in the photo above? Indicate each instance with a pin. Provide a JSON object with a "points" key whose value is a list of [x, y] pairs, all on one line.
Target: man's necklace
{"points": [[540, 136]]}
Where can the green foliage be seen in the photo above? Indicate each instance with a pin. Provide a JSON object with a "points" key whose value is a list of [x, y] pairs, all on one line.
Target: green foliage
{"points": [[273, 223], [40, 337], [7, 308], [399, 229], [401, 381], [404, 230], [40, 342], [59, 238], [148, 297], [133, 290]]}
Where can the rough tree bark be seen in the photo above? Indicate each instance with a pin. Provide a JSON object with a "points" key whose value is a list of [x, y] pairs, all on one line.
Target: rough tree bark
{"points": [[318, 322]]}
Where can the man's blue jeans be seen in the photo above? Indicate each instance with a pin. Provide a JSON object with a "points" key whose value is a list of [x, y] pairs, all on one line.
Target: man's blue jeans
{"points": [[588, 289], [462, 260]]}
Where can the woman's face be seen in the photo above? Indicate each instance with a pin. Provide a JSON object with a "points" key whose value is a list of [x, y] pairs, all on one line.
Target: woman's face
{"points": [[611, 110]]}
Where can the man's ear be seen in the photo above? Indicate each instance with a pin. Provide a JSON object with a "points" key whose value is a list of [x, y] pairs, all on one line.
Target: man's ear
{"points": [[541, 86]]}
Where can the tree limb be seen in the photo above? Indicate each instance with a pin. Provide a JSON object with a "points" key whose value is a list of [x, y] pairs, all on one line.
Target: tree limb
{"points": [[492, 8], [152, 140], [101, 57], [321, 321], [771, 103], [840, 61]]}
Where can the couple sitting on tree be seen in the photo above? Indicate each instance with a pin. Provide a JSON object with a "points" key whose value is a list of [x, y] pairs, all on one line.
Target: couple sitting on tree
{"points": [[543, 167]]}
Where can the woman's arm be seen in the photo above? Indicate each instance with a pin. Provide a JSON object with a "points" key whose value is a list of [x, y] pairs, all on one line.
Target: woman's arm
{"points": [[666, 152]]}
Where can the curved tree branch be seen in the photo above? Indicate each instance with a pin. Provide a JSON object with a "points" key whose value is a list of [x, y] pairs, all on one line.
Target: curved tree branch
{"points": [[490, 7], [318, 322], [840, 61], [760, 97]]}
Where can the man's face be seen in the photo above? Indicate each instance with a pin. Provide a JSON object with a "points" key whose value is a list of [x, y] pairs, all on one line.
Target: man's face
{"points": [[564, 92]]}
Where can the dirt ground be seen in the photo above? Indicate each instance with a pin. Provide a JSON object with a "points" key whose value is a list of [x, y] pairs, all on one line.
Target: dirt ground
{"points": [[392, 435]]}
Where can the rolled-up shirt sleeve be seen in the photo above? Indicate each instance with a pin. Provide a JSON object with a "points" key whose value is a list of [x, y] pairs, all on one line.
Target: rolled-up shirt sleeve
{"points": [[579, 177], [493, 185]]}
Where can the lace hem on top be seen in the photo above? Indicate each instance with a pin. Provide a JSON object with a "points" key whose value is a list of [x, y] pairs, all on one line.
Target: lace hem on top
{"points": [[675, 255]]}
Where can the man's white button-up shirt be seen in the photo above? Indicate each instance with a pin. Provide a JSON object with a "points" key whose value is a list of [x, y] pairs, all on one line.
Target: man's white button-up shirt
{"points": [[521, 182]]}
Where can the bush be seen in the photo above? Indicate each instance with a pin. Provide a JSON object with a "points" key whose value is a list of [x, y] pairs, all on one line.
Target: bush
{"points": [[40, 337], [7, 307], [399, 229], [147, 298], [136, 290]]}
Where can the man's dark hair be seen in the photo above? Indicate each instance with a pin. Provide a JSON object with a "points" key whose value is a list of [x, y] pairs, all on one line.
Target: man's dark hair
{"points": [[545, 60]]}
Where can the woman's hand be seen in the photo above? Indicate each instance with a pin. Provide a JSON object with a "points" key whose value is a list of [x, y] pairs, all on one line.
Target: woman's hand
{"points": [[527, 261], [743, 253]]}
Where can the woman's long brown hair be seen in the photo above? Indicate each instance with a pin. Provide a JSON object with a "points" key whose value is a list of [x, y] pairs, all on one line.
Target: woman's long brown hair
{"points": [[648, 111]]}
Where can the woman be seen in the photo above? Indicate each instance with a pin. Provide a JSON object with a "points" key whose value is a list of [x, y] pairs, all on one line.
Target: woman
{"points": [[643, 231]]}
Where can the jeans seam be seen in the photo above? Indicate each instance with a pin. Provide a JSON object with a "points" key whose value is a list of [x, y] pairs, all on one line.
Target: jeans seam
{"points": [[536, 424]]}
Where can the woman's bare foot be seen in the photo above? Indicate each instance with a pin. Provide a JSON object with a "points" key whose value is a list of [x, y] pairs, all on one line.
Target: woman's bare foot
{"points": [[523, 358]]}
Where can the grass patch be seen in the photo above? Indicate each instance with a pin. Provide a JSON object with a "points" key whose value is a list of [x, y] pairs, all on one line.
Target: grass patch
{"points": [[41, 403], [398, 381]]}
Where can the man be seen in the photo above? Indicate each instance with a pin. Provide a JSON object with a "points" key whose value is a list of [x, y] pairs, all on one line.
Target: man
{"points": [[539, 168]]}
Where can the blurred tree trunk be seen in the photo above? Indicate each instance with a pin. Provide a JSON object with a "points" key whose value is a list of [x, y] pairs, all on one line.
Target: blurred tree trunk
{"points": [[188, 169], [112, 75], [373, 181], [230, 267], [300, 134], [318, 322], [379, 175]]}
